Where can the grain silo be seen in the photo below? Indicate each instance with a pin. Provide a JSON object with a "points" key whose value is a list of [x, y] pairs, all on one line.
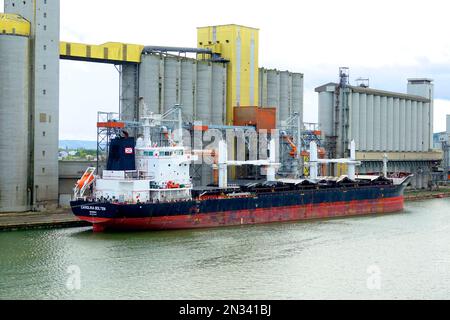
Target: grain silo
{"points": [[14, 113], [398, 124], [282, 90], [165, 80], [44, 53]]}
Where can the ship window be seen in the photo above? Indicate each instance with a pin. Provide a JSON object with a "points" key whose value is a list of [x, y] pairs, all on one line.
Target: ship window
{"points": [[151, 153]]}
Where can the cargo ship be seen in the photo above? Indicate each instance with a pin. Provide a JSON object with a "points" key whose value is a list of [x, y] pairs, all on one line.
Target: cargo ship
{"points": [[148, 187]]}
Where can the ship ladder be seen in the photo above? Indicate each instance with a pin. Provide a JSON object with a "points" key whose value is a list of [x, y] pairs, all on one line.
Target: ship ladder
{"points": [[85, 182]]}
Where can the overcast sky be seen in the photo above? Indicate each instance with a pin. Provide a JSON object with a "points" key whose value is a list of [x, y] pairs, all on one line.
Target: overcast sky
{"points": [[387, 41]]}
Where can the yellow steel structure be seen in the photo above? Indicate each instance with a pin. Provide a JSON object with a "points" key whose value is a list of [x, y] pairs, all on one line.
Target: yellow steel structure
{"points": [[14, 24], [239, 45], [111, 52]]}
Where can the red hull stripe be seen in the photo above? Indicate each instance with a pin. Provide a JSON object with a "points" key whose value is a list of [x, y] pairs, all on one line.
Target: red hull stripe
{"points": [[249, 217]]}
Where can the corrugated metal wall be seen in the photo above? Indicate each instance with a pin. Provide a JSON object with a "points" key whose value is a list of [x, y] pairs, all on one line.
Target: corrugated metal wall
{"points": [[283, 90], [14, 129], [382, 123]]}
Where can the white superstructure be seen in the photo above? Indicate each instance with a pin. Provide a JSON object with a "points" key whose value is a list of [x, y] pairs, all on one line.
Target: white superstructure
{"points": [[162, 172]]}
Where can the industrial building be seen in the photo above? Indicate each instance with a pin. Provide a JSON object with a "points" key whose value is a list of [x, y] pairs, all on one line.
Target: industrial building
{"points": [[29, 107], [223, 74], [381, 122], [220, 73], [442, 142]]}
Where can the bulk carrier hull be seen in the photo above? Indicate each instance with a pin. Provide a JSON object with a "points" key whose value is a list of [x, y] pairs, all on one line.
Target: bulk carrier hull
{"points": [[260, 209]]}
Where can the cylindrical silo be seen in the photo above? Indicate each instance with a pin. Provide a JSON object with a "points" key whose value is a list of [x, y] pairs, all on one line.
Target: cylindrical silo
{"points": [[188, 85], [370, 123], [326, 113], [362, 122], [396, 125], [204, 92], [128, 96], [219, 94], [263, 87], [419, 127], [284, 96], [149, 82], [425, 125], [384, 124], [171, 82], [390, 136], [273, 92], [355, 123], [409, 128], [402, 121], [414, 129], [297, 93], [14, 113], [377, 123]]}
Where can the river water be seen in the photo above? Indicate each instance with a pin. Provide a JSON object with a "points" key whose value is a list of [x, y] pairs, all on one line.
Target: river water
{"points": [[402, 256]]}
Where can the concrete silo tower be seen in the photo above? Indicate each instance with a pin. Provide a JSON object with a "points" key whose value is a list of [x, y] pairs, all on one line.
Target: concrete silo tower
{"points": [[424, 87], [14, 113], [43, 98]]}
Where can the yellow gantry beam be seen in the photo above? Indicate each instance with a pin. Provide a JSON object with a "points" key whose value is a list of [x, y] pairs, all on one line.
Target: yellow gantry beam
{"points": [[13, 24], [110, 52]]}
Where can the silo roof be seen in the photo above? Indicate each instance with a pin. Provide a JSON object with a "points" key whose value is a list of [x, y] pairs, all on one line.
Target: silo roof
{"points": [[14, 24], [375, 92]]}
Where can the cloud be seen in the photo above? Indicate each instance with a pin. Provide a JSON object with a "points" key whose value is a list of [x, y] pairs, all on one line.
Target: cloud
{"points": [[86, 88], [387, 41]]}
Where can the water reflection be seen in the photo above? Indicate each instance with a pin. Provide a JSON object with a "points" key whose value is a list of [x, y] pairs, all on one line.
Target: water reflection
{"points": [[312, 260]]}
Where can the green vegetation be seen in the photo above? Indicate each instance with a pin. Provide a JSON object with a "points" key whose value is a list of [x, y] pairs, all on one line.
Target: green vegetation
{"points": [[76, 155]]}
